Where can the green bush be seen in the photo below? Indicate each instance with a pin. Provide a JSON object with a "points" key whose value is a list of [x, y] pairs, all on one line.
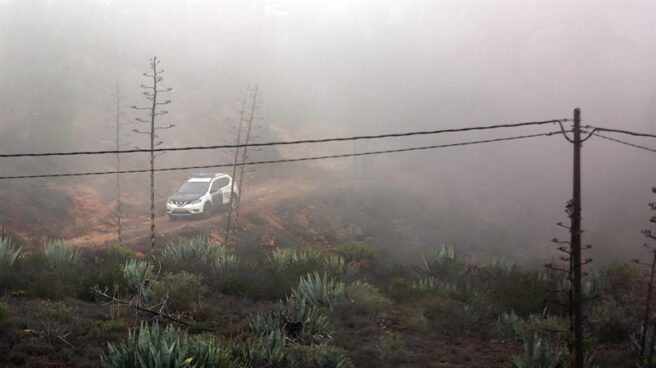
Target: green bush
{"points": [[319, 290], [402, 289], [452, 316], [180, 290], [60, 255], [239, 285], [168, 347], [55, 320], [366, 299], [354, 252], [4, 314], [318, 356], [108, 326], [391, 347]]}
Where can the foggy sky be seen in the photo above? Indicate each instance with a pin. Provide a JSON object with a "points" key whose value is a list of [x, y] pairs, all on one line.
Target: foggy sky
{"points": [[340, 68]]}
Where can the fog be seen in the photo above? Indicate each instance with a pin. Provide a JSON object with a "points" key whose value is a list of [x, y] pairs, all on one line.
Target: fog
{"points": [[347, 68]]}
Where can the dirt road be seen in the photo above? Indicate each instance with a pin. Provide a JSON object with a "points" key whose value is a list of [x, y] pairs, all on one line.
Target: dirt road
{"points": [[262, 197]]}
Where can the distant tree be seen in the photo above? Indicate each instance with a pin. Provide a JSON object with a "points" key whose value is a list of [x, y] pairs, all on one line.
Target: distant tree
{"points": [[152, 93]]}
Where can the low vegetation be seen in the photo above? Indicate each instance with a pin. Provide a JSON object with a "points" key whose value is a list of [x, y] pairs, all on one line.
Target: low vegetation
{"points": [[206, 305]]}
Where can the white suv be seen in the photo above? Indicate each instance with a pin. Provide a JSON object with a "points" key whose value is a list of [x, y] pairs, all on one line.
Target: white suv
{"points": [[203, 195]]}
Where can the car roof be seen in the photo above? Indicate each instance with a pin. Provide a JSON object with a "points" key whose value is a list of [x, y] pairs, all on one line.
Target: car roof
{"points": [[206, 177], [199, 180]]}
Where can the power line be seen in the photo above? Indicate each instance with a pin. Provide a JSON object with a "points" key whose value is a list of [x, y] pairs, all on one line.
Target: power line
{"points": [[628, 132], [266, 162], [286, 143], [624, 142]]}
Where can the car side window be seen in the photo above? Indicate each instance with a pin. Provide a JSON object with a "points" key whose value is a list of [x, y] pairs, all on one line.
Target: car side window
{"points": [[215, 186], [222, 182]]}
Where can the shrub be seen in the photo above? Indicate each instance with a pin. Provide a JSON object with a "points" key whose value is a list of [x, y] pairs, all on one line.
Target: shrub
{"points": [[4, 314], [319, 290], [452, 316], [120, 252], [355, 251], [59, 255], [108, 326], [318, 356], [9, 254], [611, 321], [545, 325], [402, 290], [54, 320], [391, 346], [156, 347], [366, 299], [180, 290]]}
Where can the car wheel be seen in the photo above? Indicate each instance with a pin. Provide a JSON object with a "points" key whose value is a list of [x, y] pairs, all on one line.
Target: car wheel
{"points": [[234, 202], [207, 210]]}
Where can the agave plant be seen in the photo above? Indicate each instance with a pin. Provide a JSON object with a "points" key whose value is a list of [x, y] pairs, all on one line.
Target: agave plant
{"points": [[224, 260], [200, 249], [335, 265], [434, 285], [263, 351], [9, 254], [156, 347], [331, 357], [282, 258], [60, 255], [440, 262], [301, 322], [136, 272], [538, 353], [509, 325], [318, 290]]}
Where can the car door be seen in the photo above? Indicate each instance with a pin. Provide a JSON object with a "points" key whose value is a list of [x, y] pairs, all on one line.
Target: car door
{"points": [[215, 192], [223, 182]]}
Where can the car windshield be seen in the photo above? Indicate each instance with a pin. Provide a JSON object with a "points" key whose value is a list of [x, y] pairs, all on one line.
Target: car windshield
{"points": [[194, 187]]}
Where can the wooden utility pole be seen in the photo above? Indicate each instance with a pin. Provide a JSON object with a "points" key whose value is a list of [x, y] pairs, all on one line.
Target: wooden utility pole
{"points": [[575, 232], [244, 155], [151, 93], [646, 322], [234, 172]]}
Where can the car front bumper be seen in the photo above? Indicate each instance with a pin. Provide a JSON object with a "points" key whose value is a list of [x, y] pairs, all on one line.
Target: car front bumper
{"points": [[185, 210]]}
